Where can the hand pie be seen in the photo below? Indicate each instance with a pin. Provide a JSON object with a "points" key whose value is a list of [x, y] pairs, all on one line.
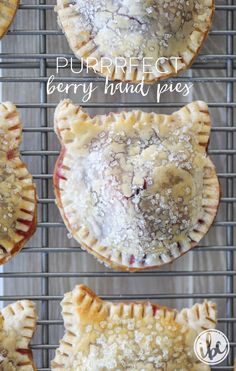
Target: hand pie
{"points": [[17, 191], [136, 40], [135, 189], [7, 12], [17, 326], [129, 336]]}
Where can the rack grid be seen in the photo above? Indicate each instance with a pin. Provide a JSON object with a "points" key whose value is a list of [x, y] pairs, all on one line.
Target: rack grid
{"points": [[34, 68]]}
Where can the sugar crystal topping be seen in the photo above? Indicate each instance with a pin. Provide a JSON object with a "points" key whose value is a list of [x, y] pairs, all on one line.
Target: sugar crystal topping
{"points": [[138, 189], [135, 344], [139, 28]]}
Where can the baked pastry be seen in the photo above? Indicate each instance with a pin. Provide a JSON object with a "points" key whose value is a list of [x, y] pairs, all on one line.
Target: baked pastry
{"points": [[136, 40], [18, 204], [17, 326], [129, 336], [7, 12], [135, 189]]}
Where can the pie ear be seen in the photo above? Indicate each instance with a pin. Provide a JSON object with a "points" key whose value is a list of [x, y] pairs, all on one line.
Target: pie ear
{"points": [[82, 306], [200, 317], [198, 114], [70, 121], [20, 318], [10, 127]]}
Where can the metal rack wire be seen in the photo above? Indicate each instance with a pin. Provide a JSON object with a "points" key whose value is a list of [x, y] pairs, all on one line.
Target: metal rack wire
{"points": [[42, 60]]}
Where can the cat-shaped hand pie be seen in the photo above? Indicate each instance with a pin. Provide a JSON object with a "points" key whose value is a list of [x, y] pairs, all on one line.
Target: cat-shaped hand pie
{"points": [[102, 335], [18, 204], [136, 189]]}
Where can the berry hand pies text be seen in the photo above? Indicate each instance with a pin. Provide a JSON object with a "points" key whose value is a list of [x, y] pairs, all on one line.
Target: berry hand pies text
{"points": [[8, 10], [129, 336], [17, 326], [18, 204], [135, 189], [136, 40]]}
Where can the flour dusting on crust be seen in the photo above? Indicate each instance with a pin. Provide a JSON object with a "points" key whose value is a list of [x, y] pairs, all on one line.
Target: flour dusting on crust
{"points": [[139, 29], [138, 192]]}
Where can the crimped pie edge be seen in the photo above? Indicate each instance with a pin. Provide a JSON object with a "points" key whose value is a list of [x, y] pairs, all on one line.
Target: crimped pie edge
{"points": [[11, 12], [21, 317]]}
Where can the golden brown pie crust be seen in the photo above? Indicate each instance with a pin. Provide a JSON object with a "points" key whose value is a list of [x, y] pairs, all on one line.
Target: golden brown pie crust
{"points": [[75, 129], [180, 33], [17, 325], [19, 206], [91, 322], [7, 13]]}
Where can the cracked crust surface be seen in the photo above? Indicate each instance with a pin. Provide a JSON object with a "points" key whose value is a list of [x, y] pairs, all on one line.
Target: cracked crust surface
{"points": [[135, 189], [7, 12], [17, 326], [147, 34], [129, 336], [18, 204]]}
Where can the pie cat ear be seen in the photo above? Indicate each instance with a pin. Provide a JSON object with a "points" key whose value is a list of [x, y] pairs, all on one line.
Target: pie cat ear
{"points": [[71, 122], [20, 318], [80, 308], [83, 306], [200, 317], [198, 114]]}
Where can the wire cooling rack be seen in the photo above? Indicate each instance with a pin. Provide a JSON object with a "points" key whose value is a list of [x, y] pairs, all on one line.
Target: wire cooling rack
{"points": [[51, 263]]}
